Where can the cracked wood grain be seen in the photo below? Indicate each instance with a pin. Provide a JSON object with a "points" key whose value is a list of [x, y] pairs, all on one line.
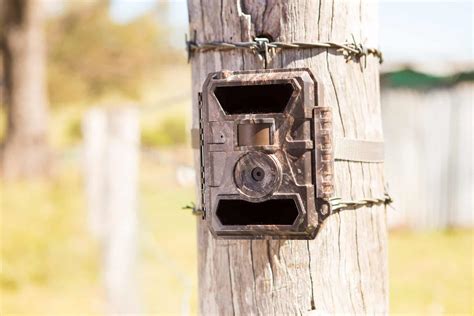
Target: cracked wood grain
{"points": [[344, 270]]}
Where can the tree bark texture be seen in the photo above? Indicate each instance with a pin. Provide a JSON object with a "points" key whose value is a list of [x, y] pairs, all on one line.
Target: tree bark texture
{"points": [[344, 269], [25, 151]]}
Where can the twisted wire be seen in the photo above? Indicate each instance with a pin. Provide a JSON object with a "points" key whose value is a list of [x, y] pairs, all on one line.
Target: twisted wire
{"points": [[338, 203], [350, 50]]}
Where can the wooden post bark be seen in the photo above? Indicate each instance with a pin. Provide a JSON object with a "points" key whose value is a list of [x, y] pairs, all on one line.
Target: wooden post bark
{"points": [[344, 270]]}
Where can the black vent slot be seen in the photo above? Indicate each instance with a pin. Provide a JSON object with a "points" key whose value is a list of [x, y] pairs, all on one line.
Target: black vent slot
{"points": [[270, 212], [255, 99]]}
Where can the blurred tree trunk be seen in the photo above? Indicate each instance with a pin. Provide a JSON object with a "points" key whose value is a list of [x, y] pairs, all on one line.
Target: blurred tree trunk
{"points": [[25, 151]]}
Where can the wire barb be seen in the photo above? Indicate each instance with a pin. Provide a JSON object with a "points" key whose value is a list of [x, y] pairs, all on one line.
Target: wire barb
{"points": [[263, 46]]}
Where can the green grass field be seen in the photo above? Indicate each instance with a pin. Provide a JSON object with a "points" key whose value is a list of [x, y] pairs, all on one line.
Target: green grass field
{"points": [[50, 264]]}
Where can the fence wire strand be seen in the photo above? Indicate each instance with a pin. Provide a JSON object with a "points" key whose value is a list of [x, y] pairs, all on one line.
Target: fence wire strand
{"points": [[351, 50], [338, 203]]}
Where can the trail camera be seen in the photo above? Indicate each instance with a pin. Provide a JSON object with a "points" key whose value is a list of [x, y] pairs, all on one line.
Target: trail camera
{"points": [[266, 154]]}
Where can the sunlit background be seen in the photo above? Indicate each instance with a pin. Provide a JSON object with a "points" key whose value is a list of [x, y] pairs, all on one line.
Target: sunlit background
{"points": [[107, 56]]}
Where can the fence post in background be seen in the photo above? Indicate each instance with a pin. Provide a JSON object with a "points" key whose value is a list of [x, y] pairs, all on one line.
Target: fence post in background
{"points": [[111, 159], [94, 136], [432, 180]]}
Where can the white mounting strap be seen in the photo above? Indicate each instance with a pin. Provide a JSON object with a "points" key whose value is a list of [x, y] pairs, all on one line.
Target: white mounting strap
{"points": [[358, 150]]}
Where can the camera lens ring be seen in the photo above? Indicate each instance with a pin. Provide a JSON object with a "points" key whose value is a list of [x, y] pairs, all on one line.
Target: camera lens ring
{"points": [[257, 174]]}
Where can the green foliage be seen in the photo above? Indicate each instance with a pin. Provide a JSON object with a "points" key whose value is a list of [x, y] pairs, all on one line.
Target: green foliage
{"points": [[167, 132], [90, 56], [74, 131], [65, 128]]}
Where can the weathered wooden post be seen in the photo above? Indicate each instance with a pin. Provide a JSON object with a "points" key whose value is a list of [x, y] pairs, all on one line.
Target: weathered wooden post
{"points": [[111, 152], [344, 269]]}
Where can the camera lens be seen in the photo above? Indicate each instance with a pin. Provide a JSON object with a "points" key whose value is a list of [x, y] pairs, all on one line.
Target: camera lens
{"points": [[258, 174]]}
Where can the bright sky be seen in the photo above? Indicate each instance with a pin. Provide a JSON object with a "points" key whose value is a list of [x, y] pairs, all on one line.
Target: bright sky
{"points": [[420, 30]]}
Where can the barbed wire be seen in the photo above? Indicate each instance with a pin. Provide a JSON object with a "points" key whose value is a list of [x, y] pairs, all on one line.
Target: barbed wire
{"points": [[338, 203], [261, 45]]}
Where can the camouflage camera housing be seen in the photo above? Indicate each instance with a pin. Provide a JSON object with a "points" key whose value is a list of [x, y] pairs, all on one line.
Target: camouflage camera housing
{"points": [[266, 154]]}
